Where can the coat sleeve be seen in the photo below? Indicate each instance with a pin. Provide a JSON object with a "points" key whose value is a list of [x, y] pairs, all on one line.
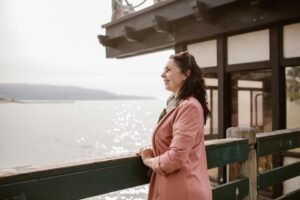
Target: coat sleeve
{"points": [[186, 126]]}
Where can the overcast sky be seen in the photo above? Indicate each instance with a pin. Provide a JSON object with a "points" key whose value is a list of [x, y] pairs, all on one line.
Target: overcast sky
{"points": [[55, 42]]}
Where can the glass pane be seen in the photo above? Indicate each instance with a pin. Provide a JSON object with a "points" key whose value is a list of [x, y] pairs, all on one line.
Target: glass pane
{"points": [[291, 40], [204, 52], [249, 47], [244, 102], [292, 120], [252, 105], [211, 127], [293, 97], [251, 100]]}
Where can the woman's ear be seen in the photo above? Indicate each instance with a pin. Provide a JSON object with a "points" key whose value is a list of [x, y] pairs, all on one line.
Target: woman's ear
{"points": [[187, 73]]}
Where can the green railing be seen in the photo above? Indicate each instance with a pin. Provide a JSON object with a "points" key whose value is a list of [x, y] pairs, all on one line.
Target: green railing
{"points": [[95, 177], [273, 143]]}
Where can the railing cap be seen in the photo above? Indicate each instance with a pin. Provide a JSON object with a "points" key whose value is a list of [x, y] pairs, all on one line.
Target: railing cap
{"points": [[241, 132]]}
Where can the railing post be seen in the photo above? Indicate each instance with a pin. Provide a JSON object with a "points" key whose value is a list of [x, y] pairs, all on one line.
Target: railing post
{"points": [[249, 167]]}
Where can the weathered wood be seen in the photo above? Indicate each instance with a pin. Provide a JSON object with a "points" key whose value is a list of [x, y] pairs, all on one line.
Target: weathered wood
{"points": [[105, 41], [294, 195], [234, 190], [224, 151], [73, 181], [248, 66], [172, 10], [278, 93], [130, 34], [278, 175], [290, 62], [249, 167], [98, 176], [224, 96], [94, 177], [200, 10], [277, 141], [160, 24], [235, 17]]}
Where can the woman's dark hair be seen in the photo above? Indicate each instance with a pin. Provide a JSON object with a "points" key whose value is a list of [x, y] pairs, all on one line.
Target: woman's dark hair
{"points": [[194, 85]]}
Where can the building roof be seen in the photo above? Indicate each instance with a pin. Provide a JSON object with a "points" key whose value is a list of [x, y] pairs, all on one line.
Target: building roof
{"points": [[172, 22]]}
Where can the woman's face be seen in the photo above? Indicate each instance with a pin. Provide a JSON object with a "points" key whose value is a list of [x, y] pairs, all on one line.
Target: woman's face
{"points": [[173, 77]]}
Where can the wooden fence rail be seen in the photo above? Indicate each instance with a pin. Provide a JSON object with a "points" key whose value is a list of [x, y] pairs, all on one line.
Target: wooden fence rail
{"points": [[89, 178]]}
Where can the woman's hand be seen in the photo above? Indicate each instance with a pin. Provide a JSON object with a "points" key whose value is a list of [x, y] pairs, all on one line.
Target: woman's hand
{"points": [[147, 156]]}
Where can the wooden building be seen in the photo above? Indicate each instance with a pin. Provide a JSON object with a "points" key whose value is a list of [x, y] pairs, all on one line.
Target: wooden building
{"points": [[249, 51]]}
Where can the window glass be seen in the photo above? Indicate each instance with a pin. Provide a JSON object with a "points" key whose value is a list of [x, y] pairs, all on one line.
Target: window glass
{"points": [[205, 53], [251, 100], [211, 127], [292, 97], [249, 47], [291, 40]]}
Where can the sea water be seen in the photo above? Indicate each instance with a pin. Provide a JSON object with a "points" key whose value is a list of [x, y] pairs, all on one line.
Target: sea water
{"points": [[43, 133]]}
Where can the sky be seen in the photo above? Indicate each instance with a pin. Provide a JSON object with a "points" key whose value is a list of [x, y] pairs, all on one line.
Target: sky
{"points": [[55, 42]]}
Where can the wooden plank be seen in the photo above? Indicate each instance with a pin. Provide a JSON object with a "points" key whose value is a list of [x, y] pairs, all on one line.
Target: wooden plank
{"points": [[237, 17], [248, 66], [171, 10], [278, 93], [94, 177], [225, 151], [278, 175], [277, 141], [75, 182], [232, 190], [286, 62], [294, 195], [224, 101]]}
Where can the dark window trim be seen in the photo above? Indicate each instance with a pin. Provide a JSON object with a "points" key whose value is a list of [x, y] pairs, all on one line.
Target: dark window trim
{"points": [[290, 62], [248, 66]]}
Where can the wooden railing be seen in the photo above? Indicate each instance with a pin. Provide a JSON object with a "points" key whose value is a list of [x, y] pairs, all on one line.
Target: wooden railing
{"points": [[95, 177]]}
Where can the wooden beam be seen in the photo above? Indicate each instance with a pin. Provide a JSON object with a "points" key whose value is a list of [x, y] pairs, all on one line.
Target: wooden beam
{"points": [[248, 66], [130, 34], [160, 24], [172, 10], [150, 39], [260, 3], [288, 62], [278, 79], [236, 17], [220, 152], [105, 41], [93, 177], [278, 94], [234, 190], [275, 142], [278, 175], [200, 10], [224, 89]]}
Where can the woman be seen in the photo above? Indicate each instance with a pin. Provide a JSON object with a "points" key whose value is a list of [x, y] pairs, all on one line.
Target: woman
{"points": [[177, 156]]}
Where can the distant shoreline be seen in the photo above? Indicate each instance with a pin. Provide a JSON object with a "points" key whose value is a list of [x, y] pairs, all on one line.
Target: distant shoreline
{"points": [[51, 93], [67, 101]]}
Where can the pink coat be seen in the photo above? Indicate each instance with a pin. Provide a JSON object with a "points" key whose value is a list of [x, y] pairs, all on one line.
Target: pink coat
{"points": [[180, 167]]}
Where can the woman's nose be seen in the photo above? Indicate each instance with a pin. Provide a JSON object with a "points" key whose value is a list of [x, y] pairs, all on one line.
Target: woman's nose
{"points": [[163, 74]]}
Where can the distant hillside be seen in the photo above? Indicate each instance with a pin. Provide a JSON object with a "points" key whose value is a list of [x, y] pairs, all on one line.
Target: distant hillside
{"points": [[50, 92]]}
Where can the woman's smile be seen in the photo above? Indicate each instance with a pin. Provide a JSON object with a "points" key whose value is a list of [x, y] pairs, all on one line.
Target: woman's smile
{"points": [[173, 77]]}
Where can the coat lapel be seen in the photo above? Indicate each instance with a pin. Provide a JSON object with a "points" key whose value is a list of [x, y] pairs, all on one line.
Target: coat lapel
{"points": [[160, 123]]}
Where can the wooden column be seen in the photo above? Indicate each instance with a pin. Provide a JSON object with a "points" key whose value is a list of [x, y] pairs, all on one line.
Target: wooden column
{"points": [[180, 48], [224, 95], [278, 93], [224, 90], [247, 168]]}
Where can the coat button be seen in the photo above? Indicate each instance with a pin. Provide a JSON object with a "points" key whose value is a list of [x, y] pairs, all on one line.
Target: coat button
{"points": [[156, 194]]}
